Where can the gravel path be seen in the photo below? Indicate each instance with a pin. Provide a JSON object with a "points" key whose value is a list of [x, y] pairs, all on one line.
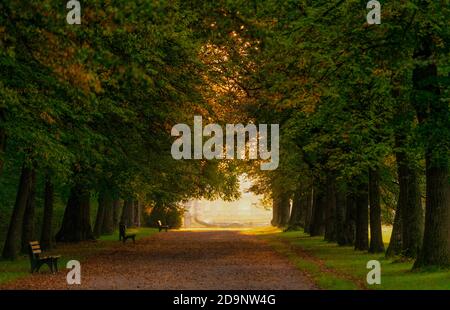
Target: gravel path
{"points": [[183, 260]]}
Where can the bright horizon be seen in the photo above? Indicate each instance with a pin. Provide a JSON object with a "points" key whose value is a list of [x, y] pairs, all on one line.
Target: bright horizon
{"points": [[247, 211]]}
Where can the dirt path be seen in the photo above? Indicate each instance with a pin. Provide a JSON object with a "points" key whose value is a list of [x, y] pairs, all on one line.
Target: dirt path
{"points": [[182, 260]]}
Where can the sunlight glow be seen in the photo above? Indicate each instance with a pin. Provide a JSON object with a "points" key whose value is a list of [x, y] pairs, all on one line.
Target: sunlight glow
{"points": [[248, 211]]}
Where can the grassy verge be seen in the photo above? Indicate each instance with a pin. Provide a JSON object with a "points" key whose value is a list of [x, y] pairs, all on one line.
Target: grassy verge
{"points": [[334, 267], [13, 270]]}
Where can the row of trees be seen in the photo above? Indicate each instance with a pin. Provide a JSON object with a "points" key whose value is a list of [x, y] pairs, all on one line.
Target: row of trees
{"points": [[375, 116], [363, 109], [86, 111], [364, 114]]}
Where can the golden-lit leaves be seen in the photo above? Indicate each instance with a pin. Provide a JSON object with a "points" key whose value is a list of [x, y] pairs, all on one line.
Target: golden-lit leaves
{"points": [[64, 63], [46, 117]]}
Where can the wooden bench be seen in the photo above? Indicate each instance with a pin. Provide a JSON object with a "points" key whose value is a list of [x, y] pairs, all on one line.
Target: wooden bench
{"points": [[161, 226], [37, 260], [123, 234]]}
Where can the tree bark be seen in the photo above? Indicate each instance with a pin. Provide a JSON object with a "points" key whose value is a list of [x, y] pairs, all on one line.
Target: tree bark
{"points": [[130, 215], [108, 219], [76, 224], [433, 114], [100, 214], [127, 213], [137, 213], [12, 245], [308, 213], [295, 221], [29, 215], [350, 220], [435, 250], [362, 218], [47, 222], [116, 213], [411, 205], [341, 202], [275, 212], [317, 227], [376, 233], [395, 243], [284, 209], [330, 210]]}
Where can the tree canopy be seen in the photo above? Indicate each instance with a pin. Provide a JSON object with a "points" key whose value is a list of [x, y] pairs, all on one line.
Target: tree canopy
{"points": [[363, 111]]}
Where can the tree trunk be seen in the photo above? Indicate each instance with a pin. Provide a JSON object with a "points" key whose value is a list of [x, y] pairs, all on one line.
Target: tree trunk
{"points": [[127, 213], [275, 212], [350, 220], [100, 214], [284, 210], [308, 213], [395, 243], [341, 202], [376, 233], [411, 206], [29, 215], [433, 114], [12, 245], [130, 215], [317, 227], [137, 213], [76, 224], [401, 131], [108, 219], [47, 222], [295, 221], [330, 211], [116, 213], [362, 218], [436, 241]]}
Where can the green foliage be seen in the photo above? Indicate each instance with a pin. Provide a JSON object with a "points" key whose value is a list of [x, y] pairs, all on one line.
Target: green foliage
{"points": [[95, 103], [346, 269], [168, 215], [340, 89]]}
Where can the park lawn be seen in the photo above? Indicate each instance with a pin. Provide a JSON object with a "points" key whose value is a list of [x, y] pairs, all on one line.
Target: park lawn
{"points": [[334, 267], [13, 270]]}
